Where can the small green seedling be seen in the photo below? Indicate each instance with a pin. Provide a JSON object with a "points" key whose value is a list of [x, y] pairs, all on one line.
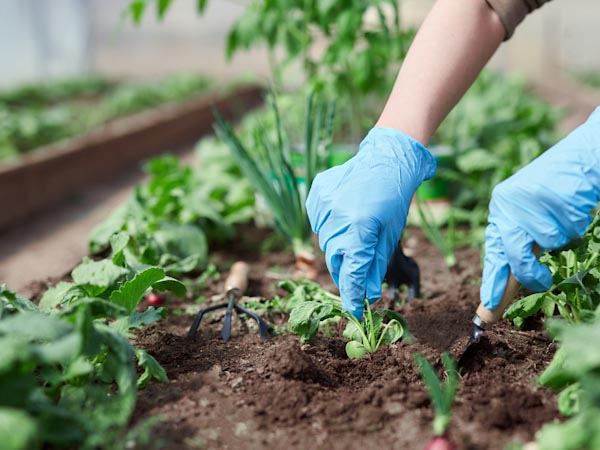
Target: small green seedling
{"points": [[442, 395], [368, 335]]}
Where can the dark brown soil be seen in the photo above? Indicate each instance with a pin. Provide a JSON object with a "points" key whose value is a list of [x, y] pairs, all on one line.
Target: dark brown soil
{"points": [[251, 394]]}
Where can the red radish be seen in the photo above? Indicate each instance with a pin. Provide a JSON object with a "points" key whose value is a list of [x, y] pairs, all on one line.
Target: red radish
{"points": [[155, 299], [440, 443]]}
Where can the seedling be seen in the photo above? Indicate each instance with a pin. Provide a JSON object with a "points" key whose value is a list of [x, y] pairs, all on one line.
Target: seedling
{"points": [[442, 395], [367, 336], [315, 307]]}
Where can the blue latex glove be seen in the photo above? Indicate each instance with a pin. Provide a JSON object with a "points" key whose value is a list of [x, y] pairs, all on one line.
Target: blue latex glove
{"points": [[359, 210], [549, 202]]}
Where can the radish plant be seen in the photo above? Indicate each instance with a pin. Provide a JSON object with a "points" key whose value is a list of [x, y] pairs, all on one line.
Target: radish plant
{"points": [[442, 395], [68, 372]]}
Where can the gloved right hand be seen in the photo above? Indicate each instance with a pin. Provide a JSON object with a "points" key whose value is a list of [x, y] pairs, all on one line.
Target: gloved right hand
{"points": [[359, 210]]}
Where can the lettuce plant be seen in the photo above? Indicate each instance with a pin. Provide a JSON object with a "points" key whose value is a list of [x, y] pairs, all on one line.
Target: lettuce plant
{"points": [[317, 306], [367, 336]]}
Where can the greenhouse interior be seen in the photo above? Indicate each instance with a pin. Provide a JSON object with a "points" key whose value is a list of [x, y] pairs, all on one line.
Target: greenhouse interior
{"points": [[300, 224]]}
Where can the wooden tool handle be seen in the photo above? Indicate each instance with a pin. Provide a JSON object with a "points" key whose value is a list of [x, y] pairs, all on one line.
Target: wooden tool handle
{"points": [[238, 277], [512, 287]]}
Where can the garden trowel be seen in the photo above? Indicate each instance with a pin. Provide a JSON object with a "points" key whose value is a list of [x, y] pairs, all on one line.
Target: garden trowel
{"points": [[485, 317]]}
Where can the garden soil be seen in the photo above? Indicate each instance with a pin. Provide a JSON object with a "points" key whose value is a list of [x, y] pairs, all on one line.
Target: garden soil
{"points": [[250, 393]]}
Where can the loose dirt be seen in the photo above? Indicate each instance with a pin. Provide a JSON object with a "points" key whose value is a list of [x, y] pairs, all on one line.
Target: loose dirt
{"points": [[251, 394]]}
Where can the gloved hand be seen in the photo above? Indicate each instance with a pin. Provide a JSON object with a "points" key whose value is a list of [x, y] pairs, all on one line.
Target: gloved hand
{"points": [[549, 202], [359, 210]]}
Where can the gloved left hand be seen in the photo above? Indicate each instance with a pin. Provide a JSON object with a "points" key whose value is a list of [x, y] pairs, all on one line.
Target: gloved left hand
{"points": [[359, 209], [548, 202]]}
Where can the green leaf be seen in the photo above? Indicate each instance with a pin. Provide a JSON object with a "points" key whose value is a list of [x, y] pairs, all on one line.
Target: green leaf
{"points": [[55, 296], [392, 332], [477, 160], [101, 234], [352, 331], [201, 5], [138, 320], [18, 430], [525, 307], [118, 243], [183, 247], [152, 369], [570, 435], [393, 315], [35, 326], [305, 318], [162, 6], [442, 394], [355, 350], [131, 292], [172, 285], [97, 276], [136, 9], [569, 400], [12, 302]]}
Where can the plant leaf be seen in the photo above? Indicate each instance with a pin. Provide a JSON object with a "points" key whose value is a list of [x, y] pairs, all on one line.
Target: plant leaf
{"points": [[131, 292], [152, 369], [97, 276], [355, 350], [18, 430]]}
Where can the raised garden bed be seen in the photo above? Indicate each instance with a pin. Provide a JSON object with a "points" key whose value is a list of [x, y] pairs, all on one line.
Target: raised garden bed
{"points": [[50, 174]]}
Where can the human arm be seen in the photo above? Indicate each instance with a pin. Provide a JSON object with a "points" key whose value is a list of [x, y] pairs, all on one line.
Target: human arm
{"points": [[359, 209]]}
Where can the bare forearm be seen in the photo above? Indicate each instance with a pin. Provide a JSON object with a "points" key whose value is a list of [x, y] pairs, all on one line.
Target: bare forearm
{"points": [[454, 42]]}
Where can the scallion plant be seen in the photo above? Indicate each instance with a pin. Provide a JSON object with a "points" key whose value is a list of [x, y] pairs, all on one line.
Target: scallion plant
{"points": [[266, 160], [442, 394]]}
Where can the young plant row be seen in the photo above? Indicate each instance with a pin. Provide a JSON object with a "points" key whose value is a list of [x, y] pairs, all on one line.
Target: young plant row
{"points": [[67, 368], [313, 308], [571, 308]]}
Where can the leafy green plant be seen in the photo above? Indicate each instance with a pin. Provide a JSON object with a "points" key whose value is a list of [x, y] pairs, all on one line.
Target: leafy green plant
{"points": [[367, 336], [67, 376], [267, 162], [575, 372], [169, 219], [575, 292], [442, 393], [314, 307], [369, 31]]}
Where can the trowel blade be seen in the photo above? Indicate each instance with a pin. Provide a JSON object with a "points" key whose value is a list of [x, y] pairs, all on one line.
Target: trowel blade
{"points": [[476, 334]]}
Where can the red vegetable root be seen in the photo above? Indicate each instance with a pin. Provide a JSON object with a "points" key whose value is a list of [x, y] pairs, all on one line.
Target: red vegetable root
{"points": [[440, 443], [155, 299]]}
